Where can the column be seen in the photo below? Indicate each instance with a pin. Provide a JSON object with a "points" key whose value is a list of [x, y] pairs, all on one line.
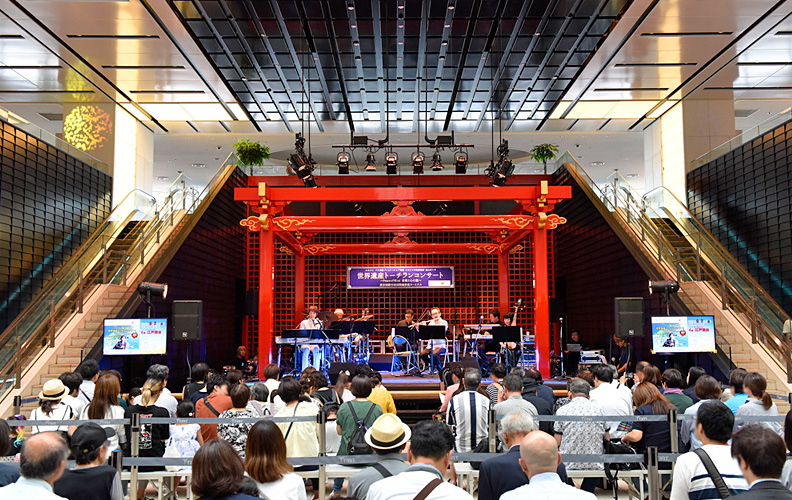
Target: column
{"points": [[266, 297], [541, 302], [503, 283], [299, 287]]}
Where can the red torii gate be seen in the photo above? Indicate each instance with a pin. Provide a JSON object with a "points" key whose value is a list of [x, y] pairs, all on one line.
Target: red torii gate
{"points": [[533, 217]]}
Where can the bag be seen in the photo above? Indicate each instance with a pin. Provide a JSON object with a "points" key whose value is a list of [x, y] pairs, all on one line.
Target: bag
{"points": [[356, 444], [210, 407], [482, 447], [616, 447], [716, 477], [429, 488], [171, 452]]}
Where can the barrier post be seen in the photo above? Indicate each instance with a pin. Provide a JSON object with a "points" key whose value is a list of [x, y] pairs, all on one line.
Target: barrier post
{"points": [[134, 453], [322, 418], [654, 473], [492, 431], [17, 405], [116, 460], [672, 422]]}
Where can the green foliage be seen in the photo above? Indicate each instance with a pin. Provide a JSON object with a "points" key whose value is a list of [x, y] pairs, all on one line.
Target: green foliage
{"points": [[543, 153], [251, 153]]}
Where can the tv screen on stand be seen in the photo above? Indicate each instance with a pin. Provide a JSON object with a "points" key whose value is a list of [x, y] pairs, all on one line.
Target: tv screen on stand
{"points": [[135, 336], [681, 334]]}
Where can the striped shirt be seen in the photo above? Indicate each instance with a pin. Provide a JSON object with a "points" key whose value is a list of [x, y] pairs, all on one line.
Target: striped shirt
{"points": [[467, 414], [692, 482]]}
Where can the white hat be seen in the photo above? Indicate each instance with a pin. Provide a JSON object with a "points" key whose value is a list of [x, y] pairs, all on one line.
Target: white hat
{"points": [[53, 390], [387, 432]]}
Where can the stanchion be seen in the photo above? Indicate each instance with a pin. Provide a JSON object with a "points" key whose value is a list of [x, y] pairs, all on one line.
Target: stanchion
{"points": [[654, 473], [322, 419], [17, 405], [134, 452], [492, 430], [116, 460]]}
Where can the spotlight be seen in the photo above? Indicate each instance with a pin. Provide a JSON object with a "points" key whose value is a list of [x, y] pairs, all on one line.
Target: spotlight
{"points": [[153, 289], [437, 161], [460, 162], [442, 208], [391, 163], [360, 209], [666, 287], [371, 163], [501, 171], [418, 162], [343, 163], [303, 168]]}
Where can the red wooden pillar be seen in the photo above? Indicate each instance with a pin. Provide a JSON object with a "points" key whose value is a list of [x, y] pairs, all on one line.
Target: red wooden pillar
{"points": [[503, 284], [299, 288], [541, 302], [266, 320]]}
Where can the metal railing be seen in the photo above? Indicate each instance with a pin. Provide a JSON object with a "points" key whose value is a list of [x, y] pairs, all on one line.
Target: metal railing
{"points": [[101, 260], [654, 220]]}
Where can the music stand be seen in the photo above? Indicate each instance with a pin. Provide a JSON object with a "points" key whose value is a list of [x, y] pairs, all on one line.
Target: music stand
{"points": [[406, 332], [297, 335], [432, 332], [505, 334], [343, 327]]}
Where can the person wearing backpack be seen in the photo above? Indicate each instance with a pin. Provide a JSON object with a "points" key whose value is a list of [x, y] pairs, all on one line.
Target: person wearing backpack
{"points": [[353, 420], [387, 437]]}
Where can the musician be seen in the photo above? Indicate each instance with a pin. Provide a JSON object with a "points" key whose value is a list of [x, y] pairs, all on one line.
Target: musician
{"points": [[434, 347], [240, 359], [314, 351], [409, 320], [490, 345]]}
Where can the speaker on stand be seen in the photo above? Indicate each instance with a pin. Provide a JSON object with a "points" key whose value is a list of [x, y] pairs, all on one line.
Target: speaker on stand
{"points": [[187, 322], [629, 317]]}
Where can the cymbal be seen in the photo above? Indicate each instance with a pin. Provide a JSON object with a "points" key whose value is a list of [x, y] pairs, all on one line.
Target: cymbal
{"points": [[325, 316]]}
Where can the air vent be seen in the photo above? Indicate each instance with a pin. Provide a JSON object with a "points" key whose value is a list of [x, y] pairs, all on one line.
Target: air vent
{"points": [[117, 37], [744, 113], [688, 33], [53, 117]]}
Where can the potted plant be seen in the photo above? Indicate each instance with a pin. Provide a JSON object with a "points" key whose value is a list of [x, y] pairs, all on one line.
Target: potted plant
{"points": [[251, 153], [543, 153]]}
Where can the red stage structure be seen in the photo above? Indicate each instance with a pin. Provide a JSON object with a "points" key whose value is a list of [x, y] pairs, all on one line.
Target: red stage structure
{"points": [[531, 220]]}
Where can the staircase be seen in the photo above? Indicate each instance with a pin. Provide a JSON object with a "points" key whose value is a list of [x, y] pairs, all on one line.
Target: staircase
{"points": [[669, 243], [63, 324]]}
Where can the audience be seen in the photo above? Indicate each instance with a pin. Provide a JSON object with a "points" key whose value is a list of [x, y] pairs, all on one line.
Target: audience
{"points": [[739, 397], [539, 460], [266, 463], [584, 438], [89, 371], [322, 394], [198, 374], [387, 437], [8, 473], [467, 413], [381, 395], [259, 404], [271, 376], [90, 445], [51, 408], [453, 389], [236, 432], [513, 402], [649, 401], [758, 403], [72, 380], [786, 477], [42, 462], [761, 456], [429, 454], [707, 390], [541, 405], [105, 406], [342, 386], [185, 438], [349, 414], [713, 428], [672, 390], [152, 437], [694, 373], [212, 404], [504, 473], [613, 399], [166, 399], [542, 390], [332, 438], [302, 438], [218, 472], [497, 373]]}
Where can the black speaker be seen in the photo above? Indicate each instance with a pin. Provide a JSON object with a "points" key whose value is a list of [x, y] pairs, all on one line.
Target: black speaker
{"points": [[336, 368], [629, 317], [381, 362], [252, 302], [187, 319]]}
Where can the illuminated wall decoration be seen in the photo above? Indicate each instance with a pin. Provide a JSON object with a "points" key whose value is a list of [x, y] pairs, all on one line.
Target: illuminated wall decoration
{"points": [[88, 127]]}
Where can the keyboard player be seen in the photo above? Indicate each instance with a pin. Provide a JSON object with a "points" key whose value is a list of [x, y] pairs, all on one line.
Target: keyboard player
{"points": [[311, 353]]}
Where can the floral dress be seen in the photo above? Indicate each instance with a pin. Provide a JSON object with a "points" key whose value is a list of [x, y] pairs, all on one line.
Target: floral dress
{"points": [[183, 442], [236, 432]]}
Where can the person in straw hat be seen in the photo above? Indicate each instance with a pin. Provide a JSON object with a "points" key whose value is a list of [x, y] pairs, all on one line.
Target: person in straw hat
{"points": [[51, 408], [387, 437]]}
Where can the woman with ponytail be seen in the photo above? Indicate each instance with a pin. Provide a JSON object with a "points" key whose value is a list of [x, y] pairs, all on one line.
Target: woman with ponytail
{"points": [[152, 437], [759, 403]]}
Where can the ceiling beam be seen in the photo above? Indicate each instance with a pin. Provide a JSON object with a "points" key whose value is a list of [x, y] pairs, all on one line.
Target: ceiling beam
{"points": [[463, 56], [358, 61], [377, 25], [445, 41], [401, 248], [420, 62], [411, 223], [325, 4]]}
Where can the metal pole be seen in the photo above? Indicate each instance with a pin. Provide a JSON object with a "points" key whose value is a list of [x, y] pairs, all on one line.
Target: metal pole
{"points": [[124, 267], [116, 459], [142, 248], [753, 320], [322, 447], [135, 453], [18, 404], [156, 219], [104, 263], [52, 324], [698, 258], [654, 473], [18, 359], [678, 265], [659, 247], [492, 428], [80, 294], [724, 303]]}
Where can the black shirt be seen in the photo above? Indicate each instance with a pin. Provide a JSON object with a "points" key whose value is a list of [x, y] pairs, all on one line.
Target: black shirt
{"points": [[86, 483], [152, 436], [403, 323], [239, 363], [654, 433], [8, 474], [192, 388], [542, 408], [627, 356]]}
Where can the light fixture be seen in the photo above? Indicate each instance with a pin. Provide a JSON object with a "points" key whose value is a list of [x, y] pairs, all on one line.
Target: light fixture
{"points": [[460, 162], [300, 164], [371, 163], [148, 290], [437, 161], [666, 288], [343, 163], [501, 171], [442, 207], [391, 163], [418, 162], [360, 209]]}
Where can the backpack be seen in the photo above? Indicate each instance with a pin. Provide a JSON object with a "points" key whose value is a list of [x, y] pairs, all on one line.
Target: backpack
{"points": [[356, 444]]}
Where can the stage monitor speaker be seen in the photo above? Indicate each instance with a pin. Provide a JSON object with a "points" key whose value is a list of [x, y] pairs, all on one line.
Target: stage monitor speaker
{"points": [[336, 368], [629, 317], [187, 319], [381, 362]]}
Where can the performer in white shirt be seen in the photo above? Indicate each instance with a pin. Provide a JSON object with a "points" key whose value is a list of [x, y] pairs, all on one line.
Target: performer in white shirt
{"points": [[314, 351], [434, 347]]}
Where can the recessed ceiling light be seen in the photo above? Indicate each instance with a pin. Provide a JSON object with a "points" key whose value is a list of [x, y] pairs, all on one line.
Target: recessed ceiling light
{"points": [[163, 178], [597, 163], [198, 165]]}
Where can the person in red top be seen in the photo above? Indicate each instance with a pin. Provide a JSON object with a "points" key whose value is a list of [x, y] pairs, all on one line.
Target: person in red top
{"points": [[213, 404]]}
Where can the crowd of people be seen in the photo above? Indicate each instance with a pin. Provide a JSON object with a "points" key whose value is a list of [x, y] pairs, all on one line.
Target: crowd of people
{"points": [[247, 456]]}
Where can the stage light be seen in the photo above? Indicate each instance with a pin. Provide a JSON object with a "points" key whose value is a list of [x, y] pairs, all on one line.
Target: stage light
{"points": [[153, 289], [343, 163], [666, 287], [500, 172], [460, 162], [437, 161], [418, 162], [442, 208], [391, 163], [371, 163], [303, 168]]}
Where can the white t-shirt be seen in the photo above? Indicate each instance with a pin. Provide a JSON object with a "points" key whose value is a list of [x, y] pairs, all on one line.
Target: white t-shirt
{"points": [[289, 487], [59, 411], [612, 402], [76, 403], [112, 413], [692, 482], [86, 391], [310, 324]]}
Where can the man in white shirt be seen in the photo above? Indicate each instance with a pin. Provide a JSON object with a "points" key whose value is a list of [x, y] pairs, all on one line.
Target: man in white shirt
{"points": [[539, 459], [714, 421], [42, 462], [72, 381], [166, 399], [89, 370], [429, 455], [434, 347], [612, 400]]}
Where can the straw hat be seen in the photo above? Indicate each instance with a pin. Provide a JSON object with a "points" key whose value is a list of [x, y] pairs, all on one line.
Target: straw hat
{"points": [[53, 390], [387, 432]]}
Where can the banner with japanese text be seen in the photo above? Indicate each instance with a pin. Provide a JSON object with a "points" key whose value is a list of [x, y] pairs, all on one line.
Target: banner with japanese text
{"points": [[400, 277]]}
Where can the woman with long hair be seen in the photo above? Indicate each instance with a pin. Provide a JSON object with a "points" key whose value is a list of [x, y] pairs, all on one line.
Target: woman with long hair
{"points": [[266, 463], [51, 408], [152, 437], [649, 401], [342, 387], [217, 472], [302, 438], [105, 405], [759, 403], [455, 388]]}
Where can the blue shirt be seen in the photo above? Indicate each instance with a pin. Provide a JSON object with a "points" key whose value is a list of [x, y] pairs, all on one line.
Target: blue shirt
{"points": [[737, 401]]}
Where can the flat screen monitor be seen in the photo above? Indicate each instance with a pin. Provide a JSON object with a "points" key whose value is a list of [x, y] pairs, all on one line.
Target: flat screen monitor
{"points": [[135, 336], [673, 334]]}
